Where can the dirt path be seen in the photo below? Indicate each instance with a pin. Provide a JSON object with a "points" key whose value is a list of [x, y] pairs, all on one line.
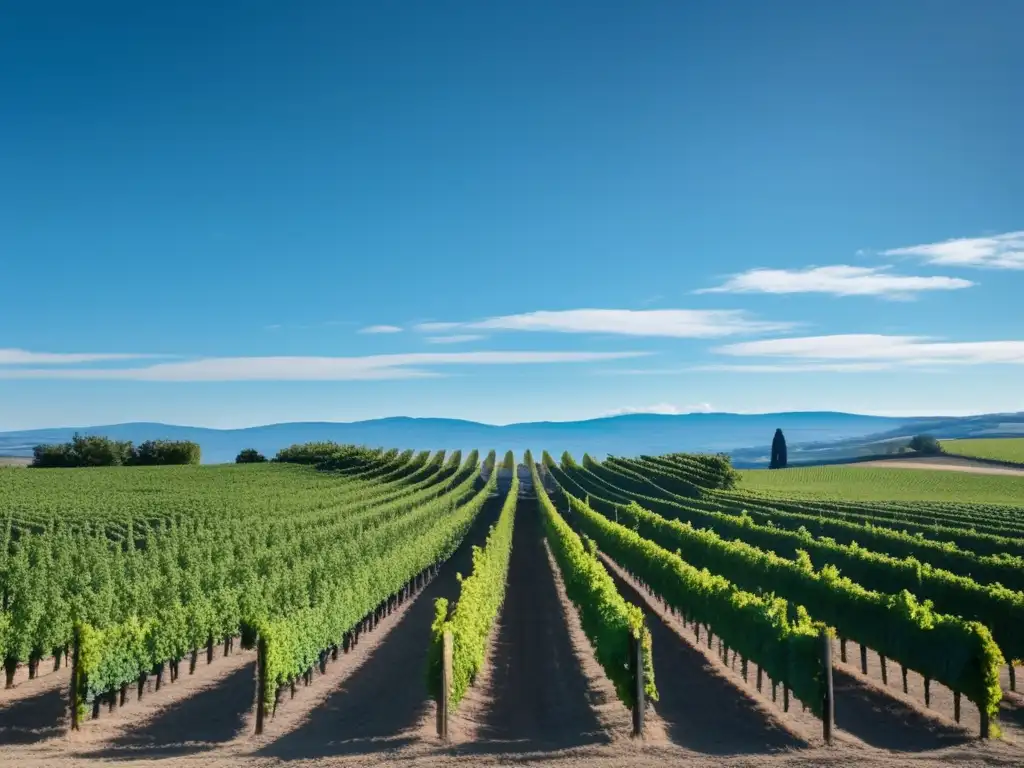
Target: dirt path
{"points": [[383, 705], [536, 694], [945, 463], [867, 714], [35, 717], [46, 677], [937, 716], [196, 713], [701, 708]]}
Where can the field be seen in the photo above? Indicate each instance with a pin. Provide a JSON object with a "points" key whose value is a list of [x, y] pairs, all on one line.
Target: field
{"points": [[857, 483], [274, 613], [1009, 449]]}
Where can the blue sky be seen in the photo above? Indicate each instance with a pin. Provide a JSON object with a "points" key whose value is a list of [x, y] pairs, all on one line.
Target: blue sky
{"points": [[233, 213]]}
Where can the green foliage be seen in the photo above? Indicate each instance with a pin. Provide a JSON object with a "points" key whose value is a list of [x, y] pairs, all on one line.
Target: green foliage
{"points": [[249, 456], [83, 451], [363, 573], [608, 620], [664, 478], [713, 471], [960, 654], [925, 444], [956, 551], [779, 457], [153, 452], [316, 452], [757, 627], [480, 599], [1008, 449], [153, 563], [952, 590], [509, 462], [95, 451], [853, 482]]}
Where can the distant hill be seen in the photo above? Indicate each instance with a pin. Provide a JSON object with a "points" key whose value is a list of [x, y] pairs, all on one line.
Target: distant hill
{"points": [[747, 437]]}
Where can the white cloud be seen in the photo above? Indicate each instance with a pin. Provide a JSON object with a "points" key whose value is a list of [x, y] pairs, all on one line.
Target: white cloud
{"points": [[456, 339], [1004, 251], [839, 280], [880, 350], [663, 408], [797, 368], [370, 367], [24, 357], [381, 329], [675, 323]]}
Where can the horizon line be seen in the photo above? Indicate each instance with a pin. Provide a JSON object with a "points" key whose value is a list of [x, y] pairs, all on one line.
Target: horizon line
{"points": [[517, 423]]}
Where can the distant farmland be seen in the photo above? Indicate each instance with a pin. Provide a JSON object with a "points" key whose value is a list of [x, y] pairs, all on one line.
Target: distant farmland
{"points": [[855, 483], [998, 448]]}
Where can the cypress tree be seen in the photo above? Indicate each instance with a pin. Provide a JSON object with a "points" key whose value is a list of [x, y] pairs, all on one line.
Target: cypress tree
{"points": [[779, 457]]}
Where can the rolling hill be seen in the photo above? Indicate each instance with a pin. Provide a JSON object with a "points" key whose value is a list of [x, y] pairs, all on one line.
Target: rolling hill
{"points": [[811, 435]]}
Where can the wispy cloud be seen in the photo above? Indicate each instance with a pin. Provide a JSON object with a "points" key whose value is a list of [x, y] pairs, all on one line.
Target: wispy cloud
{"points": [[24, 357], [860, 352], [797, 368], [675, 323], [381, 329], [456, 339], [1004, 251], [838, 280], [662, 408], [370, 367]]}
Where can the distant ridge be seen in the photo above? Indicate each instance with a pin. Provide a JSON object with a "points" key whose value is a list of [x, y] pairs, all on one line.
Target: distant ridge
{"points": [[822, 434]]}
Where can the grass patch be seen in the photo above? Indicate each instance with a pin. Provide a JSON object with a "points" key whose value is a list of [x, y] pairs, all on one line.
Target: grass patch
{"points": [[853, 483]]}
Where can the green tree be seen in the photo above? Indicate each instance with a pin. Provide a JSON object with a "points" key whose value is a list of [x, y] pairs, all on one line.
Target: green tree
{"points": [[154, 452], [779, 456], [249, 456], [925, 444]]}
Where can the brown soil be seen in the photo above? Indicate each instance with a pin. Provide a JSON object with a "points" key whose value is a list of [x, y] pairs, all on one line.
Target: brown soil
{"points": [[939, 713], [947, 463], [46, 678], [696, 697], [193, 714], [534, 693]]}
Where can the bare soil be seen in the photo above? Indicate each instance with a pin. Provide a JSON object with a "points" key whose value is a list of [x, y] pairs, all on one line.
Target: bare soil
{"points": [[943, 463], [533, 693]]}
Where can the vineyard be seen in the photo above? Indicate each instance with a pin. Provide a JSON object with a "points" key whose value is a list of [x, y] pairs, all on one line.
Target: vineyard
{"points": [[374, 606], [1010, 450], [861, 483]]}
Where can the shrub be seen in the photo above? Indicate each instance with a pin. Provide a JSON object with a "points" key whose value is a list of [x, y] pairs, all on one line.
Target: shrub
{"points": [[249, 456], [153, 452], [925, 444], [316, 452], [96, 451]]}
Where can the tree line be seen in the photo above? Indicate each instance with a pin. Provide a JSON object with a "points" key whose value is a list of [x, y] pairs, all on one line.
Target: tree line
{"points": [[97, 451]]}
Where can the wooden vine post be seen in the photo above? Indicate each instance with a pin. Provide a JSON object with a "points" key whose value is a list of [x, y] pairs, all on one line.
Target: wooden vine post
{"points": [[446, 685], [75, 674], [828, 711], [261, 683], [636, 648]]}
